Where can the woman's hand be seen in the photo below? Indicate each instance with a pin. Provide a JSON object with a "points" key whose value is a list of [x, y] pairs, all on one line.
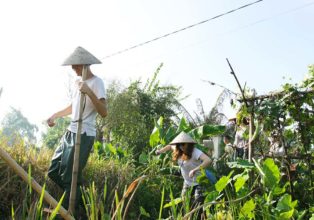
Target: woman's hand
{"points": [[192, 173]]}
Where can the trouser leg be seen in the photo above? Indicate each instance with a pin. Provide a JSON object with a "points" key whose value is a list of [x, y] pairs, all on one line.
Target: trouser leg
{"points": [[67, 165], [55, 166], [197, 191]]}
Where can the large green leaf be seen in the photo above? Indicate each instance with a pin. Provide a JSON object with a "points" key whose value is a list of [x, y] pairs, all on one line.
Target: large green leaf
{"points": [[285, 203], [272, 174], [223, 182], [247, 210], [213, 130], [170, 134], [155, 135], [240, 181], [206, 131], [183, 126], [285, 206]]}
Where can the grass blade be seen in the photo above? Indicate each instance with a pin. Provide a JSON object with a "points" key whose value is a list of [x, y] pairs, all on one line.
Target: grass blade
{"points": [[56, 210]]}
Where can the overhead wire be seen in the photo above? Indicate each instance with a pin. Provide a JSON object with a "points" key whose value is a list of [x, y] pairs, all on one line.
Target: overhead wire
{"points": [[216, 84], [180, 30], [230, 31]]}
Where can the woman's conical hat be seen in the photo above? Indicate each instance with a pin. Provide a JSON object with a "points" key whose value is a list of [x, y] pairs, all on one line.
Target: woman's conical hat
{"points": [[183, 138], [80, 56]]}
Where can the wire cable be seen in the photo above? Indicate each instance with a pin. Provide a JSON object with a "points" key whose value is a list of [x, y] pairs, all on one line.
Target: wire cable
{"points": [[180, 30]]}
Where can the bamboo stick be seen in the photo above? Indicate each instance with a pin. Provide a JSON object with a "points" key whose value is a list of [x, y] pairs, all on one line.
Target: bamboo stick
{"points": [[77, 149], [22, 173]]}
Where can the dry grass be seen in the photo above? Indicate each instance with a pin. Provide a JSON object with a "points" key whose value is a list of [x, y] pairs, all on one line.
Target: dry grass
{"points": [[13, 189]]}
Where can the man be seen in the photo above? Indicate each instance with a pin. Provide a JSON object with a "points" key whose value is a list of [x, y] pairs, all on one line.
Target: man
{"points": [[60, 170]]}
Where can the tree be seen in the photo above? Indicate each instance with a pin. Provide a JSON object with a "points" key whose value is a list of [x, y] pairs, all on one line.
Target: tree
{"points": [[54, 134], [133, 110], [15, 124]]}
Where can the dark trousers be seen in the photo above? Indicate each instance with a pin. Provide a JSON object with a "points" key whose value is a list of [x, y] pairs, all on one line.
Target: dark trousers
{"points": [[241, 153], [60, 170], [196, 197]]}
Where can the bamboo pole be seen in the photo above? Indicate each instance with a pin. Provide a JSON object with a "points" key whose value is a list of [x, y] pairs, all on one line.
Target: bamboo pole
{"points": [[77, 149], [22, 173]]}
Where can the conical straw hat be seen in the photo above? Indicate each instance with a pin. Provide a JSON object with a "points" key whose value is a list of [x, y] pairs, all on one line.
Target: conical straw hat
{"points": [[80, 56], [183, 138]]}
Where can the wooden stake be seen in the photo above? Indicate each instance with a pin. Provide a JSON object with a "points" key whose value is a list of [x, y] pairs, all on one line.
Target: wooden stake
{"points": [[77, 149], [22, 173]]}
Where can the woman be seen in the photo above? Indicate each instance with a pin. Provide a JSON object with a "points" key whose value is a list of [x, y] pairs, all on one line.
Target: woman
{"points": [[240, 142], [191, 160]]}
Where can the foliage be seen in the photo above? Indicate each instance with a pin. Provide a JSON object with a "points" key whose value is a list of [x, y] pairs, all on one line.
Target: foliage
{"points": [[265, 188], [52, 137], [132, 111], [14, 124]]}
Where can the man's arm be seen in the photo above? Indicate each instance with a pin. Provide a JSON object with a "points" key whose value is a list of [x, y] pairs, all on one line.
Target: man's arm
{"points": [[59, 114], [100, 104]]}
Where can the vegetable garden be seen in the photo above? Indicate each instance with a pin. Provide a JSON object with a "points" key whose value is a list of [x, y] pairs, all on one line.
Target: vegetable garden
{"points": [[125, 179]]}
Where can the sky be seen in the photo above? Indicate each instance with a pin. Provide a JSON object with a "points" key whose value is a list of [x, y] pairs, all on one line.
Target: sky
{"points": [[268, 44]]}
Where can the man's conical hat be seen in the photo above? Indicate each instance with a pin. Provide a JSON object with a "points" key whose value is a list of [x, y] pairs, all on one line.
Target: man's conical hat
{"points": [[183, 138], [80, 56]]}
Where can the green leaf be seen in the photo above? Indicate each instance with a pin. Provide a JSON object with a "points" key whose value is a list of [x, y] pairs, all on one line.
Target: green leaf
{"points": [[213, 130], [206, 131], [240, 181], [40, 203], [240, 163], [285, 203], [111, 148], [212, 196], [173, 202], [286, 215], [143, 212], [247, 210], [161, 202], [143, 158], [12, 212], [56, 210], [272, 174], [170, 134], [278, 190], [183, 126], [223, 182], [155, 135]]}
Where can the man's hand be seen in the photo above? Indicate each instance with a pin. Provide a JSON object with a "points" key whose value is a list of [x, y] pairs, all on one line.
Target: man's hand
{"points": [[51, 121], [83, 87]]}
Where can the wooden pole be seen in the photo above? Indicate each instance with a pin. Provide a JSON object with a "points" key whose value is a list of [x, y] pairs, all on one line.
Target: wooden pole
{"points": [[250, 153], [240, 87], [22, 173], [77, 149]]}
